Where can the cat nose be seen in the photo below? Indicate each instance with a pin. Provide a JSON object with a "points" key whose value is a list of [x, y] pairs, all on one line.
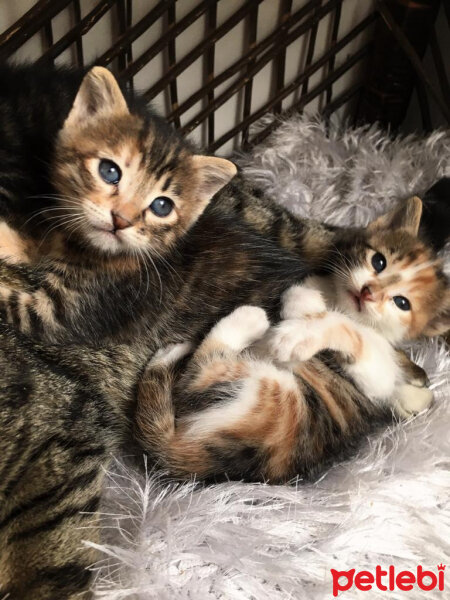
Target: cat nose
{"points": [[366, 294], [119, 222]]}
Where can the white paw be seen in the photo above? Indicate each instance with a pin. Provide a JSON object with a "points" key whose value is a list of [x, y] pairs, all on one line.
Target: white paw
{"points": [[170, 354], [242, 327], [411, 400], [300, 301], [292, 340]]}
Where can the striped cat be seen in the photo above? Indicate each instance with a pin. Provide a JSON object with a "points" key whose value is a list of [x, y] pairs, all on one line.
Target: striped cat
{"points": [[263, 402], [109, 251], [96, 252]]}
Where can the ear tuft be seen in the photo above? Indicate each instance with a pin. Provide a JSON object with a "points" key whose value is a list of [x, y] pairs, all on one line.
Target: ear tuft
{"points": [[440, 323], [99, 96], [214, 173], [405, 216]]}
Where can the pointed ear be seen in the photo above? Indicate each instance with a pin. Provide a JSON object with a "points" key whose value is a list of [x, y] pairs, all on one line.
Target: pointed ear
{"points": [[405, 216], [214, 173], [440, 323], [99, 96]]}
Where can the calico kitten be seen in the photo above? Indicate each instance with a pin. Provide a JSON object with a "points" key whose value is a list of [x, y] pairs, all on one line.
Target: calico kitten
{"points": [[312, 386]]}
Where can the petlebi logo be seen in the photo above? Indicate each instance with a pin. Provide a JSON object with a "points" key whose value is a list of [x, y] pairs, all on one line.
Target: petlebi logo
{"points": [[388, 579]]}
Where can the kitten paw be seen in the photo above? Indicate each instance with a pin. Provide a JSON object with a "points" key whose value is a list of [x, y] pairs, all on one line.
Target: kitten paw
{"points": [[242, 327], [418, 377], [411, 399], [292, 340], [170, 354], [300, 302]]}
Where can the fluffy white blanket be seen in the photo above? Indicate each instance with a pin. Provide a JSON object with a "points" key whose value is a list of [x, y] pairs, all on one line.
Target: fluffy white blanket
{"points": [[387, 506]]}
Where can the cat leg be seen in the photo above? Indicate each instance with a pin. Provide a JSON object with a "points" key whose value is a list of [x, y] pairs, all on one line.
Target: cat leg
{"points": [[366, 354], [29, 312], [413, 395], [413, 374], [38, 302], [170, 355], [301, 301], [410, 400], [235, 332]]}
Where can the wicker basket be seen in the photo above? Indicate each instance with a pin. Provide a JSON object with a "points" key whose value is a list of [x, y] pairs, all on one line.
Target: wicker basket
{"points": [[214, 67]]}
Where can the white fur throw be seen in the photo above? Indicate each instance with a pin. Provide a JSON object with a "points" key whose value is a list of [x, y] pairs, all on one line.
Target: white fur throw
{"points": [[387, 506]]}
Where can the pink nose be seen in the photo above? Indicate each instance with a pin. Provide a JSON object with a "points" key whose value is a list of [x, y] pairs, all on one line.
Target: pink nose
{"points": [[366, 294], [119, 222]]}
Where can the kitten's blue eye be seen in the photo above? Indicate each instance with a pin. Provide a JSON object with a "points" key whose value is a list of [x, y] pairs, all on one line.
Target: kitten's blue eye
{"points": [[109, 171], [402, 302], [378, 262], [161, 206]]}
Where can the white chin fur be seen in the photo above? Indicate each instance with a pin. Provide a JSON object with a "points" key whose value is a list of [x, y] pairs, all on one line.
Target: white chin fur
{"points": [[109, 243]]}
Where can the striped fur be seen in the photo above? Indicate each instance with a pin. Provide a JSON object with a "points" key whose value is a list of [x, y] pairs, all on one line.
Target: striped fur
{"points": [[62, 416]]}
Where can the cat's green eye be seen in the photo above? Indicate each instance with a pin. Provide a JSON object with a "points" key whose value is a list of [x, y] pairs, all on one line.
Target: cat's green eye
{"points": [[161, 206], [109, 171], [378, 262], [401, 302]]}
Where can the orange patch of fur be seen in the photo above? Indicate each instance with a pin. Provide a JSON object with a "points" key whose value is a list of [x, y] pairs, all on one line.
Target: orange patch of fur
{"points": [[218, 372]]}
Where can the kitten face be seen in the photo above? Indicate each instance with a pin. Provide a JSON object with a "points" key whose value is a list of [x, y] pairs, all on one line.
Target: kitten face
{"points": [[393, 282], [128, 185]]}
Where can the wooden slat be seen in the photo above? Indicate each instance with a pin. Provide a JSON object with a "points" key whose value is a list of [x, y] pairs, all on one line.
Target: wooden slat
{"points": [[155, 48], [171, 54], [310, 52], [334, 37], [253, 29], [79, 39], [123, 41], [272, 39], [342, 99], [122, 21], [48, 33], [304, 100], [29, 24], [209, 64], [129, 22], [260, 64], [185, 62], [280, 63], [79, 30]]}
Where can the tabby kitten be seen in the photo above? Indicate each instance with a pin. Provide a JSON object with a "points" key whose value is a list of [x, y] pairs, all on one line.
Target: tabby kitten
{"points": [[113, 248], [312, 386], [124, 247]]}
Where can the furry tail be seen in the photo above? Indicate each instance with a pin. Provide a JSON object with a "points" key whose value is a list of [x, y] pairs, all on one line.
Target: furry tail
{"points": [[156, 429], [155, 414]]}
